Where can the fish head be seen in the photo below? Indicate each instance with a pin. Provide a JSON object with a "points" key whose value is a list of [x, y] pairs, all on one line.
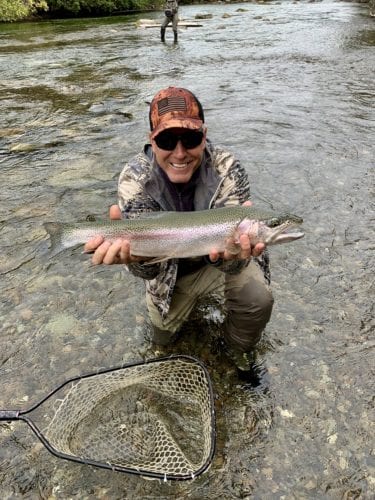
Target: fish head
{"points": [[277, 229]]}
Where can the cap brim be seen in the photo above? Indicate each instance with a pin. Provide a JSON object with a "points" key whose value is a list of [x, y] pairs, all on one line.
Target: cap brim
{"points": [[177, 123]]}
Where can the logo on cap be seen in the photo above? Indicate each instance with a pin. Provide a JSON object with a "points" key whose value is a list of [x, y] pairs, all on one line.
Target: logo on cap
{"points": [[173, 103]]}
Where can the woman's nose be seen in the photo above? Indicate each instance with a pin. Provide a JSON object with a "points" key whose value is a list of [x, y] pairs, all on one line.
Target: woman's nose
{"points": [[179, 150]]}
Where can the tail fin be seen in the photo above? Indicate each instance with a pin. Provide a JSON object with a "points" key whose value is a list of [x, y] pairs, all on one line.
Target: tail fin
{"points": [[54, 229]]}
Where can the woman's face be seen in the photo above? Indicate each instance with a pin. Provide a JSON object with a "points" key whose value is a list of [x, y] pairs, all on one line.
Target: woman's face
{"points": [[180, 163]]}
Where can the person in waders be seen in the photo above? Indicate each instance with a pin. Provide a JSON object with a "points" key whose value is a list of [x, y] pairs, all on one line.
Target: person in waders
{"points": [[171, 16], [181, 170]]}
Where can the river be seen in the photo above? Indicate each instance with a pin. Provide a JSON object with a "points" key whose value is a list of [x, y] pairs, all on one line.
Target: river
{"points": [[289, 88]]}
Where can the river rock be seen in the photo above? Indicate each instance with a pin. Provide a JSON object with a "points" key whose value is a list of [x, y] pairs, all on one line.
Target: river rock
{"points": [[203, 16]]}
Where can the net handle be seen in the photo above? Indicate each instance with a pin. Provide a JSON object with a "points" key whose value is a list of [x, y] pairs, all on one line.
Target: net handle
{"points": [[9, 415], [12, 415]]}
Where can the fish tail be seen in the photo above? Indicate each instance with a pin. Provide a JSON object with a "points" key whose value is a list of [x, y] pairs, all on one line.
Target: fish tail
{"points": [[55, 231]]}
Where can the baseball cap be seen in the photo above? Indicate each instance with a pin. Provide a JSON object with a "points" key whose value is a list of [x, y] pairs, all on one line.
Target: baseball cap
{"points": [[175, 107]]}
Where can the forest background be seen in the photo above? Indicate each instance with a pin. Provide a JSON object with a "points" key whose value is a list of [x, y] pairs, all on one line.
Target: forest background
{"points": [[18, 10], [25, 10]]}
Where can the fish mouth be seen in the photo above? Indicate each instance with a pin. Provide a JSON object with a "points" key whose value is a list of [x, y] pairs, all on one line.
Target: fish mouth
{"points": [[285, 232], [292, 235]]}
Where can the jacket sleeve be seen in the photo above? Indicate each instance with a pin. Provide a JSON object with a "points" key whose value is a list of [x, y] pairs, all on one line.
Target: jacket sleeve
{"points": [[132, 200], [144, 271]]}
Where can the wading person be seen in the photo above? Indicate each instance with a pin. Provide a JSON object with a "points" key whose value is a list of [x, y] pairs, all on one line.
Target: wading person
{"points": [[181, 170], [171, 16]]}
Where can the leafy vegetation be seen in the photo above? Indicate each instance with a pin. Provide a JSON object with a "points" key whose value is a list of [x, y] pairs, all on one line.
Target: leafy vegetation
{"points": [[14, 10], [20, 9], [97, 6]]}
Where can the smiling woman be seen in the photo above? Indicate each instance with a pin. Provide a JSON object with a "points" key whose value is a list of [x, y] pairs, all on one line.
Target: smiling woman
{"points": [[179, 153], [181, 171], [178, 134]]}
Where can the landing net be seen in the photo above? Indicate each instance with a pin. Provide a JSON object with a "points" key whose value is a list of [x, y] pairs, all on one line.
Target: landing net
{"points": [[154, 419]]}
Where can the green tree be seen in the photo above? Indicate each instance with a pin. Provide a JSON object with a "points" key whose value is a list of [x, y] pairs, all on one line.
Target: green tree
{"points": [[20, 9], [97, 6]]}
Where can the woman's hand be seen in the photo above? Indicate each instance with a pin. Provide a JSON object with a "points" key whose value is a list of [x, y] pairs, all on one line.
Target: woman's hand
{"points": [[106, 252], [246, 249]]}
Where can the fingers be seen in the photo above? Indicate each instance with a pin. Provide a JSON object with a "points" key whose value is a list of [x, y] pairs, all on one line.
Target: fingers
{"points": [[109, 253], [100, 253], [242, 250], [124, 254], [236, 249], [115, 252], [245, 245], [214, 255], [249, 249], [106, 252], [93, 244], [115, 212], [258, 249]]}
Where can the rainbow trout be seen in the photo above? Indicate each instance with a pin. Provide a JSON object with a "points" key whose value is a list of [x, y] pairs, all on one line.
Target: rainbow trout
{"points": [[166, 235]]}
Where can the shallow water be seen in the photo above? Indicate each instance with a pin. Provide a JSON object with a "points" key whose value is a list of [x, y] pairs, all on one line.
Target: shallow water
{"points": [[289, 87]]}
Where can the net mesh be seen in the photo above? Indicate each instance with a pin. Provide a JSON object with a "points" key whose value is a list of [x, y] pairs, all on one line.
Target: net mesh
{"points": [[155, 417]]}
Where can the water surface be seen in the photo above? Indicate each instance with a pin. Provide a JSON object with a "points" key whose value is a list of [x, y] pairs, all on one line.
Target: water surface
{"points": [[289, 88]]}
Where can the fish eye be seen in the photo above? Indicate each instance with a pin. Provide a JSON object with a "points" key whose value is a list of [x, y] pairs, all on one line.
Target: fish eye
{"points": [[273, 222]]}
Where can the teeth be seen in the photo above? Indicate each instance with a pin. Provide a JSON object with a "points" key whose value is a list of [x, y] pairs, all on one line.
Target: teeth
{"points": [[179, 165]]}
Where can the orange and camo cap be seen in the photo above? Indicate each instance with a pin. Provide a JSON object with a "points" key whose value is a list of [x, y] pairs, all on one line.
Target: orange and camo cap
{"points": [[175, 107]]}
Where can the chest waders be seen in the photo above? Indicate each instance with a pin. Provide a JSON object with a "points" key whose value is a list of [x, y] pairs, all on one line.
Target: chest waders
{"points": [[173, 19]]}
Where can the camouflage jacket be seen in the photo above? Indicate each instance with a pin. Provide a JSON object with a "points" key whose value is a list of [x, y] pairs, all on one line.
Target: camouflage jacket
{"points": [[222, 181]]}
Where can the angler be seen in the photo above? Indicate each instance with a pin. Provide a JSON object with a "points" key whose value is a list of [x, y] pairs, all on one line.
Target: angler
{"points": [[180, 170]]}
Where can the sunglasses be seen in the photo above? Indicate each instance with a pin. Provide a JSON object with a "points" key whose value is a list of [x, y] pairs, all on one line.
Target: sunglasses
{"points": [[190, 139]]}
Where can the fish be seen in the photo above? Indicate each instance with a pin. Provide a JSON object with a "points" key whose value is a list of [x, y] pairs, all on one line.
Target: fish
{"points": [[166, 235]]}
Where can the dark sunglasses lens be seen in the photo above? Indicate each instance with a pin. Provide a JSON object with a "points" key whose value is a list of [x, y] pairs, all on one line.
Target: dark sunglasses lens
{"points": [[191, 139], [168, 140]]}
